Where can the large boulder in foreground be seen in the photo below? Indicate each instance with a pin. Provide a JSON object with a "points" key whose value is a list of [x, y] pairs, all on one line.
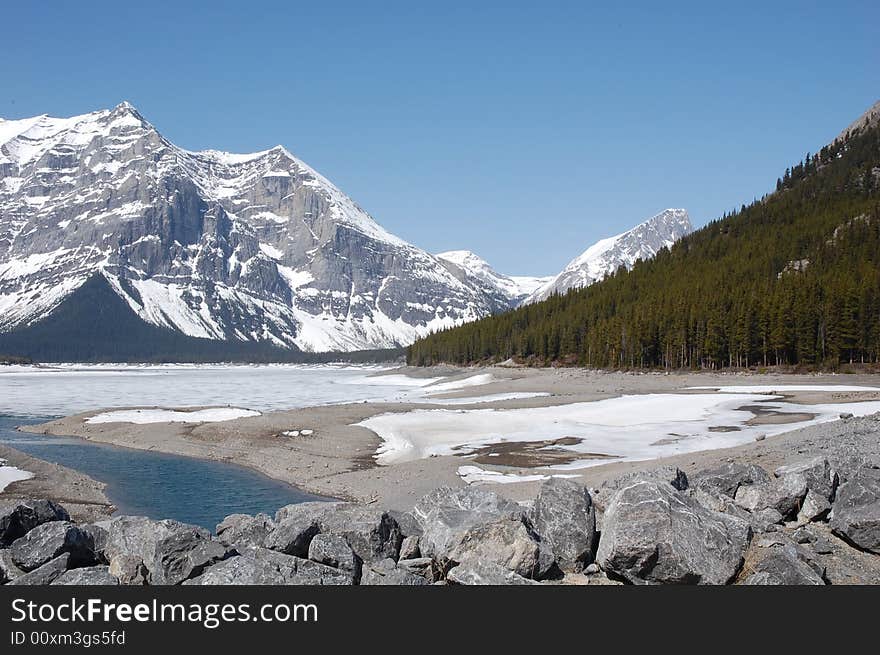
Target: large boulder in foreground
{"points": [[507, 543], [485, 573], [49, 540], [373, 534], [446, 514], [19, 518], [88, 576], [184, 554], [727, 478], [245, 530], [565, 519], [856, 511], [260, 566], [781, 567], [654, 534], [785, 494], [820, 476], [45, 574]]}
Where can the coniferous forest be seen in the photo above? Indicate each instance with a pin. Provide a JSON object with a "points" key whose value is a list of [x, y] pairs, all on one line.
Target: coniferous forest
{"points": [[792, 279]]}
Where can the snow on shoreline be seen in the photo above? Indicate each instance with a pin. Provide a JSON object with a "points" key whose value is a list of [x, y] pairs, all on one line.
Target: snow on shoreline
{"points": [[10, 474], [144, 416], [631, 427]]}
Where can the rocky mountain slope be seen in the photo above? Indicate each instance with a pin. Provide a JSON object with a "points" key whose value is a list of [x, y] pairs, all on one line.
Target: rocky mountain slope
{"points": [[508, 290], [606, 256], [254, 248]]}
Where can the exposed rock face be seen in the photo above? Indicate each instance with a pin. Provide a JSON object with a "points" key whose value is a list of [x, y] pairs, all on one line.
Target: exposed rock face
{"points": [[565, 519], [333, 550], [184, 554], [260, 566], [256, 247], [729, 477], [656, 534], [856, 511], [245, 530], [293, 535], [785, 495], [372, 534], [820, 476], [624, 250], [506, 542]]}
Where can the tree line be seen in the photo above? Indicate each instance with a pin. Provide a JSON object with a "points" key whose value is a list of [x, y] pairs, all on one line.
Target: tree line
{"points": [[791, 279]]}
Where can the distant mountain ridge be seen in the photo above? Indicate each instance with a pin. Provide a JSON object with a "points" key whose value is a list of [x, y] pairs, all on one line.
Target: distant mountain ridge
{"points": [[255, 248]]}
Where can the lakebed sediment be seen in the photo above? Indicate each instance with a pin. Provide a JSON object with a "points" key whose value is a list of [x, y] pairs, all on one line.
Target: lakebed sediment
{"points": [[335, 456]]}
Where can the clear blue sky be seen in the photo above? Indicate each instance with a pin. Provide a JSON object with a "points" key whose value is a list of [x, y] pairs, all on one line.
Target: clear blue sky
{"points": [[521, 130]]}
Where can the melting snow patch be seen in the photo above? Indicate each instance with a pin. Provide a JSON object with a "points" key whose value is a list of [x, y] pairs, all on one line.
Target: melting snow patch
{"points": [[142, 416], [10, 474], [476, 475]]}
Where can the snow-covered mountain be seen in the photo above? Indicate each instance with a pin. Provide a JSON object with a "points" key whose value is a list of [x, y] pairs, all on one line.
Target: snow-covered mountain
{"points": [[606, 256], [254, 248], [509, 290]]}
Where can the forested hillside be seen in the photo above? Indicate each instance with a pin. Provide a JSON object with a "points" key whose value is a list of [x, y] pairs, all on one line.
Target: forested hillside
{"points": [[793, 278]]}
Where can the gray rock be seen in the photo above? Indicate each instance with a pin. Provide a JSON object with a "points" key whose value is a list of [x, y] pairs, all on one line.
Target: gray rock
{"points": [[49, 540], [409, 526], [592, 569], [781, 568], [333, 550], [260, 566], [409, 548], [765, 520], [91, 575], [656, 534], [815, 508], [445, 515], [423, 566], [387, 573], [856, 511], [292, 535], [8, 569], [185, 554], [245, 530], [19, 518], [785, 495], [565, 519], [506, 542], [373, 534], [129, 569], [716, 501], [727, 478], [311, 510], [821, 478], [485, 573], [45, 574]]}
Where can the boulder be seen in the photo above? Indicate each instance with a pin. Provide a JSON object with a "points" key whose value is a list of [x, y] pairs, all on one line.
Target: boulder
{"points": [[8, 569], [821, 478], [655, 534], [313, 509], [129, 569], [815, 508], [387, 573], [565, 519], [90, 575], [423, 566], [856, 511], [333, 550], [46, 573], [19, 518], [409, 548], [506, 542], [245, 530], [373, 534], [780, 567], [409, 526], [261, 566], [446, 514], [49, 540], [184, 554], [765, 520], [485, 573], [292, 535], [785, 495], [728, 478]]}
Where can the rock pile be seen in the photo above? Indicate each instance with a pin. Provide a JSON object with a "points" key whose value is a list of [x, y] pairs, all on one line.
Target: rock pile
{"points": [[808, 523]]}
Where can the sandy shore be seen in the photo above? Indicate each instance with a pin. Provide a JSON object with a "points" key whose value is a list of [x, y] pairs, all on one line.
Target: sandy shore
{"points": [[336, 459]]}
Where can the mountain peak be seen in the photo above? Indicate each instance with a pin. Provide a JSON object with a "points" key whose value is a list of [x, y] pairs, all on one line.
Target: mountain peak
{"points": [[606, 256]]}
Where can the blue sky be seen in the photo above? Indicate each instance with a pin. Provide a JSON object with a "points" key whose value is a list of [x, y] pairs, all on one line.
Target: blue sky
{"points": [[522, 131]]}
